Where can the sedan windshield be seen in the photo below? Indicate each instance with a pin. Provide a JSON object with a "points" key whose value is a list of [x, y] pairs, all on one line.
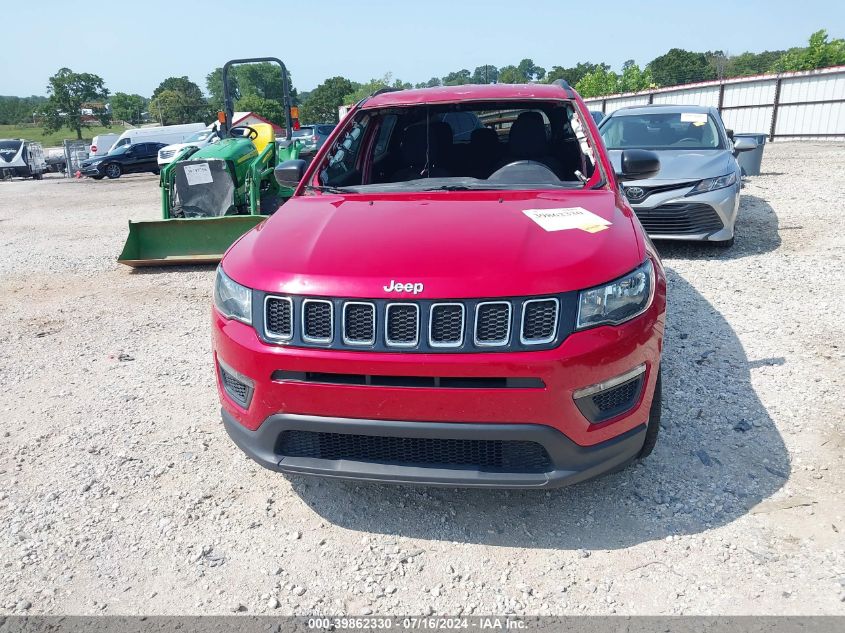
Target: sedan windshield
{"points": [[663, 130], [489, 145]]}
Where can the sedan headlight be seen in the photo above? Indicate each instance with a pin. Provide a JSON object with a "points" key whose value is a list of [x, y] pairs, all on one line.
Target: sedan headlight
{"points": [[233, 300], [618, 301], [710, 184]]}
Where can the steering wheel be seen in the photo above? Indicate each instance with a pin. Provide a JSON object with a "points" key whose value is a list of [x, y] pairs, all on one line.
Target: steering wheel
{"points": [[525, 171], [251, 132]]}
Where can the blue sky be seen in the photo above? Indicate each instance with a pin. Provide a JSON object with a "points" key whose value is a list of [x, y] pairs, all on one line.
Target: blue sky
{"points": [[133, 49]]}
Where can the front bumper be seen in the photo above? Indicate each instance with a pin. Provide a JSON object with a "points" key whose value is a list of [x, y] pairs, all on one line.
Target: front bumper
{"points": [[569, 462], [673, 215], [91, 170]]}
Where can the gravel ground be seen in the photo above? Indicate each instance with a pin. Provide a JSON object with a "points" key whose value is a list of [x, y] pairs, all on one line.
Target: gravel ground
{"points": [[121, 493]]}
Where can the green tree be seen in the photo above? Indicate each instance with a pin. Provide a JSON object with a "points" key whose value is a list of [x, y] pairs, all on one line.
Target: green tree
{"points": [[14, 110], [457, 78], [323, 102], [746, 64], [680, 67], [126, 107], [68, 94], [486, 74], [634, 79], [573, 74], [821, 52], [179, 100], [597, 83], [431, 83], [510, 75], [530, 71], [262, 79]]}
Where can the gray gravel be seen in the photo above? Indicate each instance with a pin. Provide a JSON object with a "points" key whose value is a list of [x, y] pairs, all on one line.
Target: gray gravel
{"points": [[121, 493]]}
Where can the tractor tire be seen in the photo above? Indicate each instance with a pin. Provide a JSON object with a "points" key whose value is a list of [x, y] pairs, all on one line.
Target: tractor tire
{"points": [[113, 170], [653, 428]]}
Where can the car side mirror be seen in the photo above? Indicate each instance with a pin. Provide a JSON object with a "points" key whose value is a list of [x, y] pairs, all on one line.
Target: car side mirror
{"points": [[638, 164], [730, 133], [744, 144], [288, 173]]}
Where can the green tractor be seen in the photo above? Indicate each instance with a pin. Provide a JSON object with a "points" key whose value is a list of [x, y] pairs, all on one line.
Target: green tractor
{"points": [[212, 196]]}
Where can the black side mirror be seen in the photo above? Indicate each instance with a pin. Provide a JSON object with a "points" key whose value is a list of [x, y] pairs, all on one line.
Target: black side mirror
{"points": [[638, 164], [730, 133], [289, 172]]}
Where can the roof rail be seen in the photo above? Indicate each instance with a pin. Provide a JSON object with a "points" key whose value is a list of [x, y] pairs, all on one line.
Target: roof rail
{"points": [[565, 85]]}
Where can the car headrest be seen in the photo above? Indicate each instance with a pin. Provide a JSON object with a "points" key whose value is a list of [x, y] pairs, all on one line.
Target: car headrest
{"points": [[527, 136]]}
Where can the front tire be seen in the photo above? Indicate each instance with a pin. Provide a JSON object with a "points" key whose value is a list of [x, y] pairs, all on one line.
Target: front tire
{"points": [[653, 428], [113, 170]]}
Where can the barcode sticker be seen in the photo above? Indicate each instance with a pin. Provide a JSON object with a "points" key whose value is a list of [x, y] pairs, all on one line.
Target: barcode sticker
{"points": [[567, 218]]}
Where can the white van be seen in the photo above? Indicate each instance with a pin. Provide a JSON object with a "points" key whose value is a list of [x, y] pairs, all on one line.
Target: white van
{"points": [[166, 134], [101, 144]]}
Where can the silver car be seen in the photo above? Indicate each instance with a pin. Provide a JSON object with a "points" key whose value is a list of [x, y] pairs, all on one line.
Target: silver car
{"points": [[695, 195]]}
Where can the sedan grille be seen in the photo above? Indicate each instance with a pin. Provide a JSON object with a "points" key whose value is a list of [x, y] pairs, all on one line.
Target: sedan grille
{"points": [[680, 218]]}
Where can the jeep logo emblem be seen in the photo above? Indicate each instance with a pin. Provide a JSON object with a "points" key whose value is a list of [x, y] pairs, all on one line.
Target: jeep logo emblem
{"points": [[398, 286]]}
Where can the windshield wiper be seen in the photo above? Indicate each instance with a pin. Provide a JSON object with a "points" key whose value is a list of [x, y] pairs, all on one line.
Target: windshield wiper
{"points": [[328, 189], [455, 188]]}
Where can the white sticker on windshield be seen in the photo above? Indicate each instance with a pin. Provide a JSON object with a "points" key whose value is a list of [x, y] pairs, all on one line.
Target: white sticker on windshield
{"points": [[693, 117], [198, 174], [567, 218]]}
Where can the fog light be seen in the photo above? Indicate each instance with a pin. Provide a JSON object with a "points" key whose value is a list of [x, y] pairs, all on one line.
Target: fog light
{"points": [[607, 399], [237, 386]]}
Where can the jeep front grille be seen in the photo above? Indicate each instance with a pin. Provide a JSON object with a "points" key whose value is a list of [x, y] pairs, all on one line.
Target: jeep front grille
{"points": [[433, 326]]}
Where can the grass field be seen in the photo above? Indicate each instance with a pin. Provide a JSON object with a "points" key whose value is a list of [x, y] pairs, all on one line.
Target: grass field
{"points": [[53, 139]]}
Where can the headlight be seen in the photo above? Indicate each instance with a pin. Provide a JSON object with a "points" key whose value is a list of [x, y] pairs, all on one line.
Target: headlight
{"points": [[96, 162], [233, 300], [709, 184], [618, 301]]}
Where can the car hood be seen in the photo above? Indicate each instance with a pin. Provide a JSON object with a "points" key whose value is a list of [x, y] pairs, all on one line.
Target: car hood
{"points": [[686, 164], [460, 244]]}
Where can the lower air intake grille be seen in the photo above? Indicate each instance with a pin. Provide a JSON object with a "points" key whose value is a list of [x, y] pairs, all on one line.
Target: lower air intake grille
{"points": [[680, 219], [239, 392], [611, 402], [484, 455]]}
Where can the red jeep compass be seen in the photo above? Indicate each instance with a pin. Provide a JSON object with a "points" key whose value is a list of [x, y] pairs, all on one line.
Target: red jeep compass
{"points": [[456, 294]]}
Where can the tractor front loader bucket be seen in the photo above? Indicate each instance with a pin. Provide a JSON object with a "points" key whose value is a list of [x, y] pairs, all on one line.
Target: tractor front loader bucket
{"points": [[184, 241]]}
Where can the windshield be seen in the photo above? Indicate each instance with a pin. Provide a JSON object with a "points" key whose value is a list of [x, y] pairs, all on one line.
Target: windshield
{"points": [[114, 151], [199, 136], [9, 149], [303, 131], [501, 145], [663, 130]]}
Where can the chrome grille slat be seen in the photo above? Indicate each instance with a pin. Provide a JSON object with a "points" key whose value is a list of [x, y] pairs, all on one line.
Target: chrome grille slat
{"points": [[402, 324], [417, 325], [317, 320]]}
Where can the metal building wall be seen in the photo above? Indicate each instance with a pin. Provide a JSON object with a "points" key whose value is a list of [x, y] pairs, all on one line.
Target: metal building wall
{"points": [[786, 106]]}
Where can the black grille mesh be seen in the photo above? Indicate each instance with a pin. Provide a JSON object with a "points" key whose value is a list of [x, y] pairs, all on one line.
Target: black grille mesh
{"points": [[447, 324], [278, 319], [359, 322], [679, 219], [402, 323], [539, 320], [318, 320], [493, 322], [485, 455], [239, 391], [621, 397]]}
